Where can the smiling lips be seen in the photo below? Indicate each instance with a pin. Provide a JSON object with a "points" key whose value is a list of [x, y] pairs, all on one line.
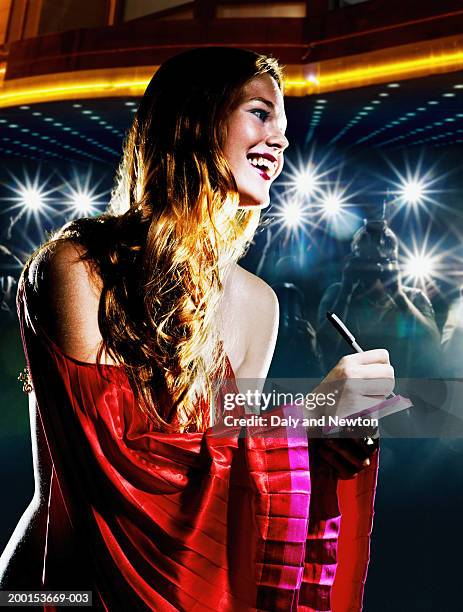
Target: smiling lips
{"points": [[265, 164]]}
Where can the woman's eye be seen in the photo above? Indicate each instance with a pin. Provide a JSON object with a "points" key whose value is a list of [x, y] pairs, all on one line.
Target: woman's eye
{"points": [[259, 112]]}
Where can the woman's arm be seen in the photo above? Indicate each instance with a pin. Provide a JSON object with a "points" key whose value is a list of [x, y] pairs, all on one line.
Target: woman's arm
{"points": [[66, 307], [258, 312], [21, 562]]}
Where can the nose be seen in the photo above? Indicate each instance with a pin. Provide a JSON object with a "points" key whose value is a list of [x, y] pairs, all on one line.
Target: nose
{"points": [[276, 139]]}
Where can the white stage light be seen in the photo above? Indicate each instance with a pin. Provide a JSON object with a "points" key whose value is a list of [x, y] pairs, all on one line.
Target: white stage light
{"points": [[82, 203], [31, 198], [81, 196], [292, 214], [413, 191], [416, 191], [332, 204], [306, 181], [420, 267]]}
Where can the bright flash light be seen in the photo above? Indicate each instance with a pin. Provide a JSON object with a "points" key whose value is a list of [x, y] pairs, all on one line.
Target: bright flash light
{"points": [[337, 216], [31, 198], [332, 204], [81, 195], [420, 267], [430, 265], [306, 181], [413, 191], [292, 215], [82, 202]]}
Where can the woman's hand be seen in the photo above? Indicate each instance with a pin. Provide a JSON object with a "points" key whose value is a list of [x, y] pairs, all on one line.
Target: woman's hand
{"points": [[359, 382]]}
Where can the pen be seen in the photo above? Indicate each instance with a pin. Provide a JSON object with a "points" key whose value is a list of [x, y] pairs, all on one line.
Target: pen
{"points": [[350, 339], [347, 335]]}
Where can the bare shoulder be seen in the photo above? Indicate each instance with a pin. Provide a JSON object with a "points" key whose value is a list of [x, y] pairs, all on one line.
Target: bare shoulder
{"points": [[62, 260], [62, 276], [251, 299], [69, 292], [255, 312], [256, 291]]}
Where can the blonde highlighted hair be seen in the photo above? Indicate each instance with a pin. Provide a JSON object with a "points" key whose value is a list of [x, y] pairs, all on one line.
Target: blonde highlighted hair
{"points": [[172, 229]]}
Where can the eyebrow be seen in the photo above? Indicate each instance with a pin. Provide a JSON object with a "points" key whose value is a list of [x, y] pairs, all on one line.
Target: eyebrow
{"points": [[264, 100]]}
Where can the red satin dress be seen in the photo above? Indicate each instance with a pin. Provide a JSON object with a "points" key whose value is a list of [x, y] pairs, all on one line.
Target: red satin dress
{"points": [[192, 522]]}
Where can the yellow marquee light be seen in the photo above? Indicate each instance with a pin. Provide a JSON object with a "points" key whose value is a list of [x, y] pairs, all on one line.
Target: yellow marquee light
{"points": [[44, 94], [69, 86], [410, 61], [396, 69]]}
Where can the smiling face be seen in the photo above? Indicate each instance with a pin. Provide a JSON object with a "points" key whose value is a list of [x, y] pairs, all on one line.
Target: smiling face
{"points": [[256, 140]]}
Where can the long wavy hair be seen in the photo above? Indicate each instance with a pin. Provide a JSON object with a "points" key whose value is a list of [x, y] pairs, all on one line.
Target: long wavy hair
{"points": [[172, 229]]}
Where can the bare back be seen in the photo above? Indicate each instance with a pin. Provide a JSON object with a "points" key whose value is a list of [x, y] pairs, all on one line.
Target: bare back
{"points": [[247, 321]]}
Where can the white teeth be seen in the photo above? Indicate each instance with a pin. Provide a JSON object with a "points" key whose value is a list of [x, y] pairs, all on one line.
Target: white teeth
{"points": [[269, 166]]}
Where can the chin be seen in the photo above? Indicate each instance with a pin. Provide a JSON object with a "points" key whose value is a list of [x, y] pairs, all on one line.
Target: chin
{"points": [[249, 201]]}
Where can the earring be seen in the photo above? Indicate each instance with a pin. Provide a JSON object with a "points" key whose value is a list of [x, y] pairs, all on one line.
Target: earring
{"points": [[26, 380]]}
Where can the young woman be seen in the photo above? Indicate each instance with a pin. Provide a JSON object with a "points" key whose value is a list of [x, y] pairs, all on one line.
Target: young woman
{"points": [[131, 322]]}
